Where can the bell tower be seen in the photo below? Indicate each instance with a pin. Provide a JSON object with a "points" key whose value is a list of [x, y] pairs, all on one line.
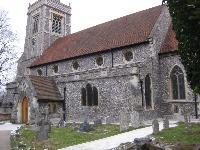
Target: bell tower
{"points": [[47, 20]]}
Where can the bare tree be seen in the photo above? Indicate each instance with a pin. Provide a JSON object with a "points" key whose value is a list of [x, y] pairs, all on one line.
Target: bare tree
{"points": [[8, 52]]}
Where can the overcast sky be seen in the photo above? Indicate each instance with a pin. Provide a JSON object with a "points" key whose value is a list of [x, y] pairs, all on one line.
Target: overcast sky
{"points": [[85, 13]]}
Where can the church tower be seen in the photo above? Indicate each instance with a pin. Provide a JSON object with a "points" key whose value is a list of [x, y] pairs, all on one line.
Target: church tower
{"points": [[47, 20]]}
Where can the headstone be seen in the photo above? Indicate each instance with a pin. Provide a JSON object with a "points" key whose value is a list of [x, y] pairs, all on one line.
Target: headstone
{"points": [[165, 123], [135, 119], [108, 120], [124, 123], [43, 132], [85, 127], [97, 122], [155, 126]]}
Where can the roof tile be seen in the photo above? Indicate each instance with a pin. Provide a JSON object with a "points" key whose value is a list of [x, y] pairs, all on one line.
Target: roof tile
{"points": [[124, 31]]}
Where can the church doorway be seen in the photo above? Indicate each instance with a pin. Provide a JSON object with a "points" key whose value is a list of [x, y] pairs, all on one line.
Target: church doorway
{"points": [[25, 110]]}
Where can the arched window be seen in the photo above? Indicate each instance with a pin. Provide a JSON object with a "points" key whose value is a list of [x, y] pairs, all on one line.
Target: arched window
{"points": [[39, 72], [148, 99], [128, 55], [99, 60], [55, 68], [54, 108], [75, 65], [177, 83], [83, 96], [89, 96], [95, 96]]}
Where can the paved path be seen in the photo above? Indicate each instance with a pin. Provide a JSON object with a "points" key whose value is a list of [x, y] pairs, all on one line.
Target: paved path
{"points": [[5, 131], [114, 141], [4, 140]]}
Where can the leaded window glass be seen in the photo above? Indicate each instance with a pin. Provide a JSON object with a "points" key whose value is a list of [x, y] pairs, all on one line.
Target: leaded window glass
{"points": [[89, 96], [148, 92], [177, 83]]}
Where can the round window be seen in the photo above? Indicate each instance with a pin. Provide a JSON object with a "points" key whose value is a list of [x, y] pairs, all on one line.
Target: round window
{"points": [[99, 60], [128, 56], [55, 69], [39, 72], [75, 65]]}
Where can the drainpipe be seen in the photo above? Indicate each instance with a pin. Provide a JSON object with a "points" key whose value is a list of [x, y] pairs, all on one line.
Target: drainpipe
{"points": [[64, 105], [141, 86]]}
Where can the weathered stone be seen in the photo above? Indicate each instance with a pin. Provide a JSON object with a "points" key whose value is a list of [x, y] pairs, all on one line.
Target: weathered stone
{"points": [[85, 127], [97, 122], [155, 126], [43, 132], [165, 123], [117, 81], [135, 119], [142, 141], [124, 121]]}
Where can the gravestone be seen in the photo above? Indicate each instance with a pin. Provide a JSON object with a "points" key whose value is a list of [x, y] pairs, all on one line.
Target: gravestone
{"points": [[85, 127], [124, 122], [155, 126], [135, 119], [165, 123], [97, 122], [61, 123], [43, 132], [108, 120]]}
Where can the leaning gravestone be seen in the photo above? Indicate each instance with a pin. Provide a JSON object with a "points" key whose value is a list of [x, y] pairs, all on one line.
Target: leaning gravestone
{"points": [[155, 126], [165, 123], [124, 123], [135, 119]]}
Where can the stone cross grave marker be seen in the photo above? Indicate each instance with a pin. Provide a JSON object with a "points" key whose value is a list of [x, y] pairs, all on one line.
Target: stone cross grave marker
{"points": [[165, 123], [124, 122], [155, 126], [61, 123], [135, 119], [43, 132]]}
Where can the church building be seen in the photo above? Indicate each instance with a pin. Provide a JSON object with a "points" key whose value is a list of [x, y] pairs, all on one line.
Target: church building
{"points": [[127, 64]]}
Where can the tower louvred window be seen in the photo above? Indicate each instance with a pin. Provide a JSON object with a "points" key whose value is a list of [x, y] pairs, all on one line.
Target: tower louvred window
{"points": [[57, 24], [35, 24]]}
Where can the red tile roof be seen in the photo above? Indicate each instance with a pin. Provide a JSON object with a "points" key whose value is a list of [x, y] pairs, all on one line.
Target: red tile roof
{"points": [[170, 43], [45, 88], [124, 31]]}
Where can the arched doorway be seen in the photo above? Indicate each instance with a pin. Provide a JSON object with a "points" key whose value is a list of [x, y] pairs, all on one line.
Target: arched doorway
{"points": [[25, 110]]}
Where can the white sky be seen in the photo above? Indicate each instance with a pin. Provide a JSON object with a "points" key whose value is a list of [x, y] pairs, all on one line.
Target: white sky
{"points": [[85, 13]]}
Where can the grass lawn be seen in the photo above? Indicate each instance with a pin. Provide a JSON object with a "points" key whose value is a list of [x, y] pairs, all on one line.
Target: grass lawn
{"points": [[180, 135], [62, 137]]}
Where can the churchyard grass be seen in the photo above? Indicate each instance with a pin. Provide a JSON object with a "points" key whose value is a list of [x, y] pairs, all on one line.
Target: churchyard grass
{"points": [[179, 134], [63, 137]]}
